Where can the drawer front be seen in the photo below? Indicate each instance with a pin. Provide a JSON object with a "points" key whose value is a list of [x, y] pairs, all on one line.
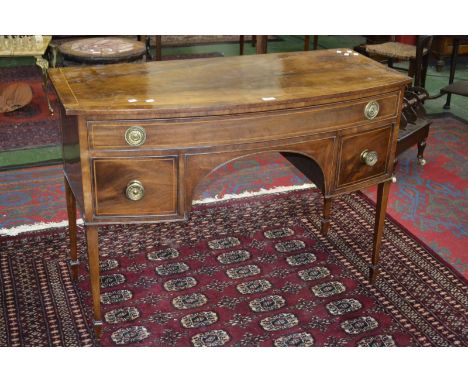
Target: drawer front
{"points": [[364, 155], [135, 186], [215, 131]]}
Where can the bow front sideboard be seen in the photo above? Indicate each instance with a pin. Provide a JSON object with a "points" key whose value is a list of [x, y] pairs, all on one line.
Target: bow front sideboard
{"points": [[139, 138]]}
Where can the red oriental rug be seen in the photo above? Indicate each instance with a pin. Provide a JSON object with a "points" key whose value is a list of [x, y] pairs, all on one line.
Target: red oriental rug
{"points": [[249, 272], [31, 126]]}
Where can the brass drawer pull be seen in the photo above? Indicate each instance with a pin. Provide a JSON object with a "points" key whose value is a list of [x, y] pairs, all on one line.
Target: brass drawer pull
{"points": [[135, 135], [372, 110], [370, 158], [135, 190]]}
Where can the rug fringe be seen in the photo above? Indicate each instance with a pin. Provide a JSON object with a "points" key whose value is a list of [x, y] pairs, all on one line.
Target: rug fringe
{"points": [[249, 194], [14, 231]]}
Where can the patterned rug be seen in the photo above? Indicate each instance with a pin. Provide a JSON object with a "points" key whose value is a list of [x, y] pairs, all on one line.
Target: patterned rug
{"points": [[39, 303], [251, 272]]}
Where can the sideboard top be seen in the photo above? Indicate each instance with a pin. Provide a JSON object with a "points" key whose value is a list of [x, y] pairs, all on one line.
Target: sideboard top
{"points": [[216, 86]]}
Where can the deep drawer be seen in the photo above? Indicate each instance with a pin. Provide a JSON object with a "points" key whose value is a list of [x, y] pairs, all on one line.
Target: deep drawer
{"points": [[135, 186], [354, 149]]}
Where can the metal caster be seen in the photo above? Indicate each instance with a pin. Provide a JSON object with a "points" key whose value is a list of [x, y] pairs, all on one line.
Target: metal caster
{"points": [[421, 161], [394, 179]]}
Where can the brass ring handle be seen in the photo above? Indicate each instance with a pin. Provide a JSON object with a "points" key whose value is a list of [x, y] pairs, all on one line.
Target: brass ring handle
{"points": [[135, 135], [135, 190], [372, 109], [370, 158]]}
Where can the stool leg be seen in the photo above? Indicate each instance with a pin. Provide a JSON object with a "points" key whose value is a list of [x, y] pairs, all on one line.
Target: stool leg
{"points": [[421, 148]]}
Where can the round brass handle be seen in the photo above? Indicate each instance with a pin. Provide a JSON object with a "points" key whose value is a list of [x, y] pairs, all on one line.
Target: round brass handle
{"points": [[135, 135], [372, 110], [370, 158], [135, 190]]}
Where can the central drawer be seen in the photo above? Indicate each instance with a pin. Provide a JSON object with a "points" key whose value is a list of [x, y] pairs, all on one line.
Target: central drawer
{"points": [[135, 186], [241, 129]]}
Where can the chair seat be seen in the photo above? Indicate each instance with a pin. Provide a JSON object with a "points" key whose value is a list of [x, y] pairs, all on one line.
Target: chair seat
{"points": [[394, 50], [459, 88]]}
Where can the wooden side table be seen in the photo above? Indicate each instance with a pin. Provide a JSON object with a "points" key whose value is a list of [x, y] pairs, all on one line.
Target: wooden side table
{"points": [[102, 50], [149, 133], [29, 46]]}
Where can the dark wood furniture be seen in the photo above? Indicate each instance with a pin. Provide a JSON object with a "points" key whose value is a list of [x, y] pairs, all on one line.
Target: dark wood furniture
{"points": [[417, 55], [459, 87], [261, 44], [139, 138], [442, 49], [414, 125], [102, 50]]}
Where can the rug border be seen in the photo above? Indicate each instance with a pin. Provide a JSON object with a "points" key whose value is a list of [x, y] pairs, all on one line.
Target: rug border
{"points": [[418, 240]]}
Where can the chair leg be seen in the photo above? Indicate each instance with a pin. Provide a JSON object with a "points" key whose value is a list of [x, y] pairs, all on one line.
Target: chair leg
{"points": [[315, 42], [424, 70], [306, 43], [241, 45], [421, 147]]}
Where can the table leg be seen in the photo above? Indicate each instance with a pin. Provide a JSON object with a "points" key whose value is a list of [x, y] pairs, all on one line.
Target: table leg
{"points": [[44, 65], [327, 203], [71, 210], [92, 239], [382, 199]]}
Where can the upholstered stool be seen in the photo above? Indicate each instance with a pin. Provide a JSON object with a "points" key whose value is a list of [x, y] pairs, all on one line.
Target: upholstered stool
{"points": [[417, 55], [102, 50]]}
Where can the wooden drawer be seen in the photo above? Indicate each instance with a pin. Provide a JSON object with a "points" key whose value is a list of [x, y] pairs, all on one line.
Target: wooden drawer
{"points": [[204, 132], [155, 177], [352, 168]]}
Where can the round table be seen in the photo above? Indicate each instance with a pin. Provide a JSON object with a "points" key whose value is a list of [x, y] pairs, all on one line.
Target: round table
{"points": [[102, 50]]}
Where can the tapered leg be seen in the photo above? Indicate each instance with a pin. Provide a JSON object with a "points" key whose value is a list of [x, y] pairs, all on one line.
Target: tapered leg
{"points": [[71, 211], [327, 203], [382, 199], [93, 259]]}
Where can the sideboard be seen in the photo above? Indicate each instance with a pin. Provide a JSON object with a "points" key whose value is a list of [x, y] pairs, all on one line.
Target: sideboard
{"points": [[139, 138]]}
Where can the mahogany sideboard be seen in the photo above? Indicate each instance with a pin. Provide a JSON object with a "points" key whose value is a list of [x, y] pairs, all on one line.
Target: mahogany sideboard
{"points": [[139, 138]]}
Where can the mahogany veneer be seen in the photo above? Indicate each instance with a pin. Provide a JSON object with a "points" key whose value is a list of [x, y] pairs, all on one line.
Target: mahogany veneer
{"points": [[139, 138]]}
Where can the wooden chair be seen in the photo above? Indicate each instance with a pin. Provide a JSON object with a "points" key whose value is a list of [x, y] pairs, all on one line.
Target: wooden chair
{"points": [[261, 43], [418, 56], [461, 87]]}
